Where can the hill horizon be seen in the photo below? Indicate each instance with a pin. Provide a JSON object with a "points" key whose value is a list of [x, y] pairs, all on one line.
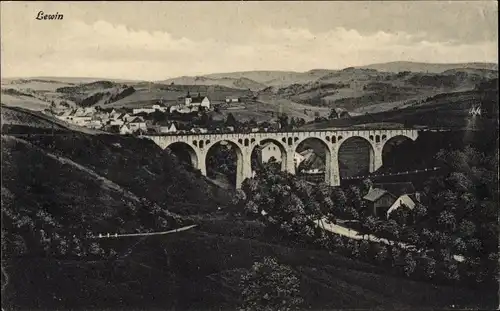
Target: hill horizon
{"points": [[394, 66]]}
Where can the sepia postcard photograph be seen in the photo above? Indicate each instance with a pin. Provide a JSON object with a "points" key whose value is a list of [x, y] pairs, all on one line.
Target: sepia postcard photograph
{"points": [[249, 155]]}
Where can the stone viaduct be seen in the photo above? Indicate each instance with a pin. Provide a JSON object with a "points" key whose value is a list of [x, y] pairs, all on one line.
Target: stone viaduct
{"points": [[244, 143]]}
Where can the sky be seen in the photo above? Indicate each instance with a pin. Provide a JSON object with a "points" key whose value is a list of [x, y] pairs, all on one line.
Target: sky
{"points": [[159, 40]]}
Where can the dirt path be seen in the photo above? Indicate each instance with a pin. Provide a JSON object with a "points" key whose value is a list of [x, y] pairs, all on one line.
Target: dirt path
{"points": [[355, 235]]}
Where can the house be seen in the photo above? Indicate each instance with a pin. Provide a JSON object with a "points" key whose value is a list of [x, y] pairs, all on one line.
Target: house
{"points": [[150, 110], [140, 110], [112, 128], [65, 116], [123, 116], [79, 112], [171, 128], [81, 120], [117, 122], [173, 108], [344, 114], [397, 188], [311, 163], [198, 101], [199, 130], [89, 110], [95, 124], [124, 129], [269, 150], [184, 109], [297, 159], [103, 116], [379, 201], [137, 123], [232, 100], [114, 114], [129, 118], [160, 108], [408, 200]]}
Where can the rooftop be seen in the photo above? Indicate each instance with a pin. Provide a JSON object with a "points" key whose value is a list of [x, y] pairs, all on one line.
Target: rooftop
{"points": [[374, 194], [396, 189]]}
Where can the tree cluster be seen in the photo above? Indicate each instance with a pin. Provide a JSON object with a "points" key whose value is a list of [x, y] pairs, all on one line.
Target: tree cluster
{"points": [[457, 216], [270, 286]]}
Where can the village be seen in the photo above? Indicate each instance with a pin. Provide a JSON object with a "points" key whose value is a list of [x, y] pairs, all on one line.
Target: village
{"points": [[138, 120]]}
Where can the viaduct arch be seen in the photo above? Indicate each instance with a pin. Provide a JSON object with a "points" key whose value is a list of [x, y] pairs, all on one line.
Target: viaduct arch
{"points": [[287, 142], [189, 150], [282, 148]]}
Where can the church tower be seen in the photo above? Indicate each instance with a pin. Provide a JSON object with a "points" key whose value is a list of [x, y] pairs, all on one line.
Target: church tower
{"points": [[188, 99]]}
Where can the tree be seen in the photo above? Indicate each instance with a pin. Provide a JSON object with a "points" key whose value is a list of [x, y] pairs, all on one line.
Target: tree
{"points": [[459, 246], [466, 228], [354, 197], [447, 220], [333, 114], [370, 223], [419, 212], [459, 182], [283, 120], [252, 122], [401, 215], [206, 120], [231, 120], [270, 286], [395, 255], [352, 248], [339, 200], [428, 267], [158, 116], [366, 185], [451, 271], [382, 254], [409, 264], [391, 230], [364, 248], [410, 235]]}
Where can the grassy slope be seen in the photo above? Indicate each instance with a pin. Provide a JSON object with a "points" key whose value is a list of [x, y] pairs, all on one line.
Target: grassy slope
{"points": [[267, 108], [26, 102], [427, 67], [230, 82], [171, 93], [448, 110], [362, 90]]}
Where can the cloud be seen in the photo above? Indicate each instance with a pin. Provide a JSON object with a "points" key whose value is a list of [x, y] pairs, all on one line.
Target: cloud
{"points": [[102, 49]]}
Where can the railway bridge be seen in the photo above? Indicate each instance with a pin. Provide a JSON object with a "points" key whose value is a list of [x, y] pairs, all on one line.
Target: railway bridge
{"points": [[198, 146]]}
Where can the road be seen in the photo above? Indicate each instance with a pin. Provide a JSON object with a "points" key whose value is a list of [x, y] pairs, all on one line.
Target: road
{"points": [[353, 234]]}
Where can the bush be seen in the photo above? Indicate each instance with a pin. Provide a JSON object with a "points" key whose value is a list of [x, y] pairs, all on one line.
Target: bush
{"points": [[270, 286]]}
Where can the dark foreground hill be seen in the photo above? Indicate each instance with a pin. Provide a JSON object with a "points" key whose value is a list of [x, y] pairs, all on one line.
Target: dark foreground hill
{"points": [[58, 191]]}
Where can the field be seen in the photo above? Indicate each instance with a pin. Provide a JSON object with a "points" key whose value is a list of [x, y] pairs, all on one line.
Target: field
{"points": [[174, 94], [448, 110], [267, 108]]}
